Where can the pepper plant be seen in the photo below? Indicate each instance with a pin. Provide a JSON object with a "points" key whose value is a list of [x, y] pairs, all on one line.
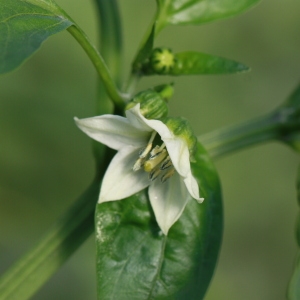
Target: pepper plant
{"points": [[155, 203]]}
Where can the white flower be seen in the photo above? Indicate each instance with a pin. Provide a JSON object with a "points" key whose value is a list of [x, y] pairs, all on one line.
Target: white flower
{"points": [[138, 164]]}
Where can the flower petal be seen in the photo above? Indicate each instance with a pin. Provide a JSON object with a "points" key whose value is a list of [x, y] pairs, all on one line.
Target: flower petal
{"points": [[168, 201], [177, 147], [136, 119], [113, 131], [179, 154], [120, 181], [193, 188], [139, 121]]}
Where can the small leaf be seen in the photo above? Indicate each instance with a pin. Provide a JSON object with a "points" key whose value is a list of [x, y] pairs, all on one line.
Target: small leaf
{"points": [[24, 25], [191, 63], [136, 261], [198, 11]]}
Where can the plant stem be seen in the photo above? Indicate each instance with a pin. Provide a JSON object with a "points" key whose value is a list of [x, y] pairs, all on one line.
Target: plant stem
{"points": [[99, 64], [236, 137], [110, 47], [24, 278]]}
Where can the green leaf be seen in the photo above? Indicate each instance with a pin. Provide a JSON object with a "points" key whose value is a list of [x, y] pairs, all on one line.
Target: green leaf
{"points": [[192, 63], [136, 261], [189, 63], [198, 11], [24, 25]]}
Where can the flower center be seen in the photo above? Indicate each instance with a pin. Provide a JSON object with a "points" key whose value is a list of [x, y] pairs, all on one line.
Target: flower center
{"points": [[155, 161]]}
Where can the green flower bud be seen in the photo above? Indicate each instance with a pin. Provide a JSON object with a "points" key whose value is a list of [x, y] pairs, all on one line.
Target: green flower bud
{"points": [[152, 105], [182, 128], [166, 91], [162, 60]]}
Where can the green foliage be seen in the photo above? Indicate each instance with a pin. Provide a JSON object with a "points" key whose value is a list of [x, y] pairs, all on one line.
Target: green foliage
{"points": [[181, 12], [24, 25], [193, 63], [136, 261]]}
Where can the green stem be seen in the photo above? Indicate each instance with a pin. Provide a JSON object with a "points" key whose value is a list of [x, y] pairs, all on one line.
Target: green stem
{"points": [[110, 47], [236, 137], [99, 64], [23, 279]]}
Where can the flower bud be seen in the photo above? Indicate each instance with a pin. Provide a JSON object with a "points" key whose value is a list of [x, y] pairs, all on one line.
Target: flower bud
{"points": [[152, 105], [182, 128], [162, 60], [166, 91]]}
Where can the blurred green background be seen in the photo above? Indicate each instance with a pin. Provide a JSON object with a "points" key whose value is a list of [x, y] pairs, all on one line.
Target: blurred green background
{"points": [[46, 162]]}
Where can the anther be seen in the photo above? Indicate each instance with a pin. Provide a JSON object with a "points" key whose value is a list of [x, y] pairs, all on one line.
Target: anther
{"points": [[167, 175], [167, 163], [143, 153], [151, 163], [154, 174], [138, 164]]}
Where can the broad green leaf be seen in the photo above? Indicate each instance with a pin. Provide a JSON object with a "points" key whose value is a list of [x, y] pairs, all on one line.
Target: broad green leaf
{"points": [[191, 63], [198, 11], [24, 25], [136, 261]]}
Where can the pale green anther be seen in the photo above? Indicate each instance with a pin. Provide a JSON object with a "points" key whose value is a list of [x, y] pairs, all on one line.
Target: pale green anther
{"points": [[155, 160], [152, 104], [180, 127], [167, 163], [167, 175], [154, 173]]}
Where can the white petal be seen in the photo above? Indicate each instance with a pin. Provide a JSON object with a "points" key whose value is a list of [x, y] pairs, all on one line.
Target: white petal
{"points": [[136, 119], [192, 186], [168, 201], [176, 146], [113, 131], [179, 154], [120, 181], [139, 121]]}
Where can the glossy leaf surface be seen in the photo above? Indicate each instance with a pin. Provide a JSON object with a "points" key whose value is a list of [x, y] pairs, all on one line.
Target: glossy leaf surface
{"points": [[24, 25], [136, 261], [192, 63], [198, 11]]}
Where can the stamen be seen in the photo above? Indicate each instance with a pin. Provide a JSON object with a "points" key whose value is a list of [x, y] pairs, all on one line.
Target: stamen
{"points": [[138, 164], [155, 152], [148, 148], [151, 163], [167, 175], [154, 174], [167, 163]]}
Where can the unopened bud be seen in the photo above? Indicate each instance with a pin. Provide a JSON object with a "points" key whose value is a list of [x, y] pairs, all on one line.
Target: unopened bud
{"points": [[152, 105], [162, 60]]}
